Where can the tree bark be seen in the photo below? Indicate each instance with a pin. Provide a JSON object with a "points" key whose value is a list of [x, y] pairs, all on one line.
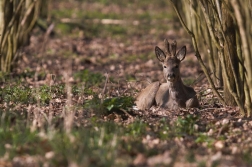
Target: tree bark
{"points": [[17, 17], [230, 56]]}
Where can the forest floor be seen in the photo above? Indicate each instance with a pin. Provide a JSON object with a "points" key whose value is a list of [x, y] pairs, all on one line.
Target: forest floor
{"points": [[70, 99]]}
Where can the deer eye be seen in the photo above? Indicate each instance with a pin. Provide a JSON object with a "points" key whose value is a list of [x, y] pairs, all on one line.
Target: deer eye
{"points": [[164, 66], [176, 66]]}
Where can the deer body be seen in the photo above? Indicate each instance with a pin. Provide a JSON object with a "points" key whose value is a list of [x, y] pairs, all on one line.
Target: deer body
{"points": [[173, 94]]}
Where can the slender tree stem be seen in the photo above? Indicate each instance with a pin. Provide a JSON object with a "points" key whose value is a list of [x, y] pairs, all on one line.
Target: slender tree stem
{"points": [[198, 54]]}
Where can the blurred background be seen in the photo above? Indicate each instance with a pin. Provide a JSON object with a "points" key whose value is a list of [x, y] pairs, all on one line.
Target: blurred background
{"points": [[119, 36], [70, 71]]}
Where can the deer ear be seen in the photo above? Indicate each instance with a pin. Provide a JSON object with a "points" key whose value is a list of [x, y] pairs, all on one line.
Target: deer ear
{"points": [[160, 54], [181, 53]]}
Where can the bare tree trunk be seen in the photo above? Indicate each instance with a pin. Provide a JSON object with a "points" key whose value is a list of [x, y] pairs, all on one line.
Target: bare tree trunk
{"points": [[230, 56], [1, 17], [17, 18], [228, 31]]}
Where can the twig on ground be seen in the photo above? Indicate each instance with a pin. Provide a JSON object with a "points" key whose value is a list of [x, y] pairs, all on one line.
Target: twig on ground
{"points": [[126, 113]]}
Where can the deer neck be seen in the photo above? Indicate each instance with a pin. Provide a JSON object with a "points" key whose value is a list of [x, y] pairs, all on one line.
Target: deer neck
{"points": [[176, 85], [176, 90]]}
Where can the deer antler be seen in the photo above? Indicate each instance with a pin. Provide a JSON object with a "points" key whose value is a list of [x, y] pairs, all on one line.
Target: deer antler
{"points": [[174, 47], [167, 46]]}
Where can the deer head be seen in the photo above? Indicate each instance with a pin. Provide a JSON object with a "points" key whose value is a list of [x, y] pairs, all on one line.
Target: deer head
{"points": [[171, 63]]}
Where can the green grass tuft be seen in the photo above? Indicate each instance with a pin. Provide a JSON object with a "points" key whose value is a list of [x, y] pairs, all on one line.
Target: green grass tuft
{"points": [[89, 78], [185, 126], [117, 103]]}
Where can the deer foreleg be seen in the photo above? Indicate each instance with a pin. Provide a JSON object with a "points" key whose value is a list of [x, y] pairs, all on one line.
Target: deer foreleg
{"points": [[146, 97], [192, 102]]}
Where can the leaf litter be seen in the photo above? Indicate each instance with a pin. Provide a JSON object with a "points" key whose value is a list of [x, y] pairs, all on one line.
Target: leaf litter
{"points": [[212, 135]]}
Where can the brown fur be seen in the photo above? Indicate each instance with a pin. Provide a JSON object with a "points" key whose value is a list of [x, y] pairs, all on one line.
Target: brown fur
{"points": [[173, 94]]}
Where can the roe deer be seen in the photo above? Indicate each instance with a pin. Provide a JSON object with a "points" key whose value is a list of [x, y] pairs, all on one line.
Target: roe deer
{"points": [[173, 94]]}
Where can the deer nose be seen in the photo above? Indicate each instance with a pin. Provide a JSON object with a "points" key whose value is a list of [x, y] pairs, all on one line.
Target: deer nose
{"points": [[171, 75]]}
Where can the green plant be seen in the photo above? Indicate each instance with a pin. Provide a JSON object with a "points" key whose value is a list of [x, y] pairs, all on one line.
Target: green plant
{"points": [[90, 78], [136, 129], [44, 94], [93, 104], [93, 146], [117, 103], [203, 138], [17, 94], [16, 136], [185, 126], [246, 156], [163, 129]]}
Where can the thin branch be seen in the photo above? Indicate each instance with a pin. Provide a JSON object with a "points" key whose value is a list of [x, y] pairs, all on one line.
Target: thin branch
{"points": [[104, 88], [247, 98], [229, 86], [233, 93], [245, 45], [228, 50], [8, 28], [210, 27], [198, 54]]}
